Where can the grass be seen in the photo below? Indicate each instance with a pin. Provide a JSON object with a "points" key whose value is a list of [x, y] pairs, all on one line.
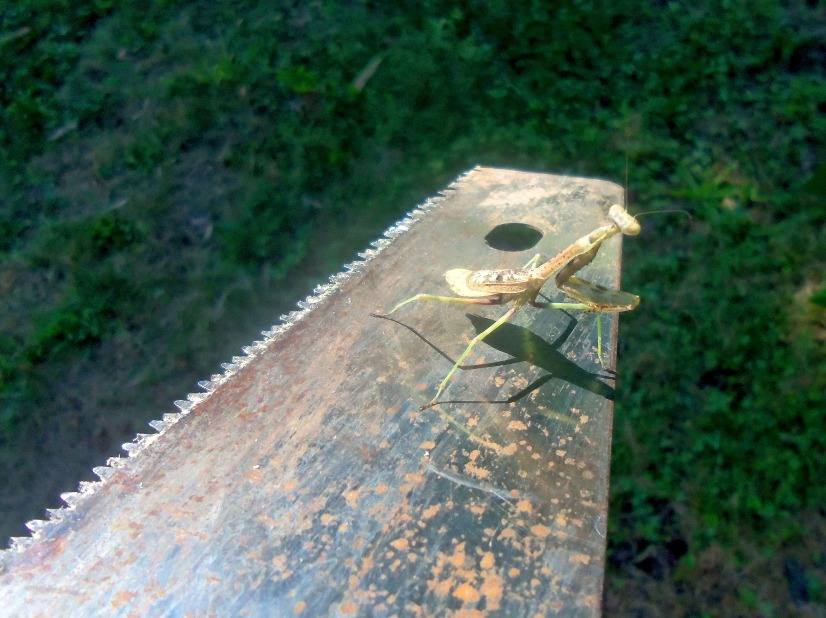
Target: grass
{"points": [[175, 176]]}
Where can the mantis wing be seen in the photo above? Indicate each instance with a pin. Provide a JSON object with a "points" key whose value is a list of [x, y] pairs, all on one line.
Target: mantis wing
{"points": [[457, 279], [481, 283]]}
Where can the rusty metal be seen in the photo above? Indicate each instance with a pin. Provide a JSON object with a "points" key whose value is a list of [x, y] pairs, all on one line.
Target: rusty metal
{"points": [[305, 480]]}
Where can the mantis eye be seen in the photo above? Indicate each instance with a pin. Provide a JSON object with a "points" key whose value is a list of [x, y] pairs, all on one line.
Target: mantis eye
{"points": [[624, 221], [513, 237]]}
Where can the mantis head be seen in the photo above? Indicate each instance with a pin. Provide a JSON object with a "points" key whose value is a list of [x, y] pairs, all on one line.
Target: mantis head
{"points": [[624, 220]]}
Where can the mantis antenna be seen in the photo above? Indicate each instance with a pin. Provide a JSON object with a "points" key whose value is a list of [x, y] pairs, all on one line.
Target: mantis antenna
{"points": [[654, 212], [647, 212]]}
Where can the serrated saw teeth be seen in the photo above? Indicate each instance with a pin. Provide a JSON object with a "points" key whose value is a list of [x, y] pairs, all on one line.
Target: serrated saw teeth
{"points": [[306, 306]]}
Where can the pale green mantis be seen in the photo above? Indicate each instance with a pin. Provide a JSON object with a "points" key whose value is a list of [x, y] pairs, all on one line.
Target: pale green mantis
{"points": [[521, 286]]}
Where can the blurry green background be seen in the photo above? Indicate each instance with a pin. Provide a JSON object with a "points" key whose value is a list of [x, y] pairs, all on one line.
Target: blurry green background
{"points": [[176, 174]]}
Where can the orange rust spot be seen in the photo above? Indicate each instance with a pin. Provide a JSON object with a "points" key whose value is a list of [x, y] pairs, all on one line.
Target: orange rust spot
{"points": [[381, 488], [268, 521], [442, 588], [299, 608], [428, 445], [509, 450], [540, 531], [280, 562], [513, 572], [458, 557], [327, 519], [590, 600], [524, 506], [414, 477], [508, 533], [561, 519], [517, 426], [316, 504], [352, 497], [476, 509], [401, 544], [246, 415], [579, 559], [289, 485], [47, 549], [254, 476], [466, 593], [348, 607], [487, 560], [474, 455], [474, 470], [431, 511], [487, 444], [492, 588], [122, 598]]}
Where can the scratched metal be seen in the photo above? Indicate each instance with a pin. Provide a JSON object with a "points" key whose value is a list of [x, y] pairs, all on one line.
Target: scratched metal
{"points": [[309, 482]]}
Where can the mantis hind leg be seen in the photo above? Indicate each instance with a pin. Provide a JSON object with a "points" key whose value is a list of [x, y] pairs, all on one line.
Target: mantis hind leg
{"points": [[507, 316], [446, 299]]}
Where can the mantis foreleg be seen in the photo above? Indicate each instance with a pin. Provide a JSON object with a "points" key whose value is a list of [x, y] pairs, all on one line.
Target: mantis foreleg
{"points": [[600, 300]]}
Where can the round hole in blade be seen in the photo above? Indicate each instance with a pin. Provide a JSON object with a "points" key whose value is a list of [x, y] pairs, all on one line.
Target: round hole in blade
{"points": [[513, 237]]}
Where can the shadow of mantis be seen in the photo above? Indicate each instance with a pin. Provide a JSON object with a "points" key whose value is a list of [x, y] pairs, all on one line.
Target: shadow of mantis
{"points": [[522, 345]]}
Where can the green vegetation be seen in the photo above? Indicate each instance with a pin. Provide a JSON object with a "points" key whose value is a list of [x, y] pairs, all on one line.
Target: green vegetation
{"points": [[166, 166]]}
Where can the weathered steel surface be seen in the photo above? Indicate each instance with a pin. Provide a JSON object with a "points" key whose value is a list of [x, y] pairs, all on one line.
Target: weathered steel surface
{"points": [[309, 481]]}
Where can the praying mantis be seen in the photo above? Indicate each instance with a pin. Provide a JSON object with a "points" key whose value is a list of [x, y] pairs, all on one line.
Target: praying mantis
{"points": [[521, 286]]}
